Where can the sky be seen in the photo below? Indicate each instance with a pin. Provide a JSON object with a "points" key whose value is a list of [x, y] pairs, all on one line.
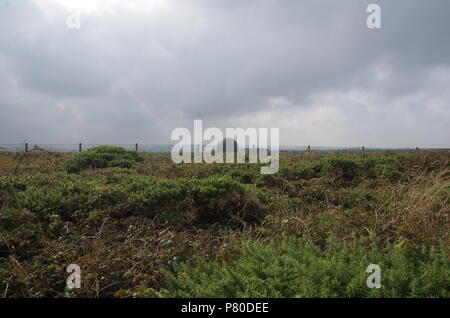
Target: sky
{"points": [[135, 70]]}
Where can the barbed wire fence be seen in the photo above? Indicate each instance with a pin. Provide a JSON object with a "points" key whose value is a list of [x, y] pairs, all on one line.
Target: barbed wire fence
{"points": [[158, 148], [79, 147]]}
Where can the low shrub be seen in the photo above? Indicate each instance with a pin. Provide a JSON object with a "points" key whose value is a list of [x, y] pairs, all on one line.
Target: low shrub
{"points": [[223, 199], [102, 157], [208, 200], [343, 170], [298, 268], [349, 198]]}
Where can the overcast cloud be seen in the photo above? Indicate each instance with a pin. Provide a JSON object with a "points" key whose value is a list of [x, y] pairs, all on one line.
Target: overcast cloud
{"points": [[137, 69]]}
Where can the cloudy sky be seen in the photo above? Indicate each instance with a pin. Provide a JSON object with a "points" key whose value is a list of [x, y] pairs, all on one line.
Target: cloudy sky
{"points": [[137, 69]]}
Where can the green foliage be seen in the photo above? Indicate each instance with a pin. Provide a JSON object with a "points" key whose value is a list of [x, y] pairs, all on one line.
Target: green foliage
{"points": [[202, 200], [102, 157], [302, 170], [202, 190], [313, 195], [350, 198], [342, 169], [298, 268], [124, 226], [223, 199]]}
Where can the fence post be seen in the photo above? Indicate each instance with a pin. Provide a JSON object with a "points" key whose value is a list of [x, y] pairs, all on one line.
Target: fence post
{"points": [[80, 147], [309, 149], [26, 147], [137, 147], [363, 151]]}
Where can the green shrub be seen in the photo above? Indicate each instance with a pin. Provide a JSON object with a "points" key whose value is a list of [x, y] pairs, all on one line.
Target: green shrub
{"points": [[208, 200], [313, 195], [64, 199], [342, 169], [350, 198], [298, 268], [302, 170], [221, 198], [102, 157], [245, 175]]}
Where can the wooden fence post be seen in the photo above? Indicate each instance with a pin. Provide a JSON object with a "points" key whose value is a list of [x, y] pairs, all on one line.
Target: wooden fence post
{"points": [[137, 147], [80, 147], [363, 151], [26, 147]]}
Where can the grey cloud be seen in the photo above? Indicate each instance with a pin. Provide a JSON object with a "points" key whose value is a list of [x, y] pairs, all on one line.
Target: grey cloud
{"points": [[136, 75]]}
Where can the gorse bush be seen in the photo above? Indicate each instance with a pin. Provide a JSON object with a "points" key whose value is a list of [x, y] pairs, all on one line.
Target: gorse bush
{"points": [[298, 268], [342, 170], [225, 199], [208, 200], [102, 157]]}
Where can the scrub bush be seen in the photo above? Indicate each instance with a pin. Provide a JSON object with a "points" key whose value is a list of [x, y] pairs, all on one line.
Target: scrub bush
{"points": [[102, 157], [298, 268]]}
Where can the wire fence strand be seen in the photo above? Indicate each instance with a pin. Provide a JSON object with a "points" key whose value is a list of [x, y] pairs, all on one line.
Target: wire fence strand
{"points": [[158, 148]]}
